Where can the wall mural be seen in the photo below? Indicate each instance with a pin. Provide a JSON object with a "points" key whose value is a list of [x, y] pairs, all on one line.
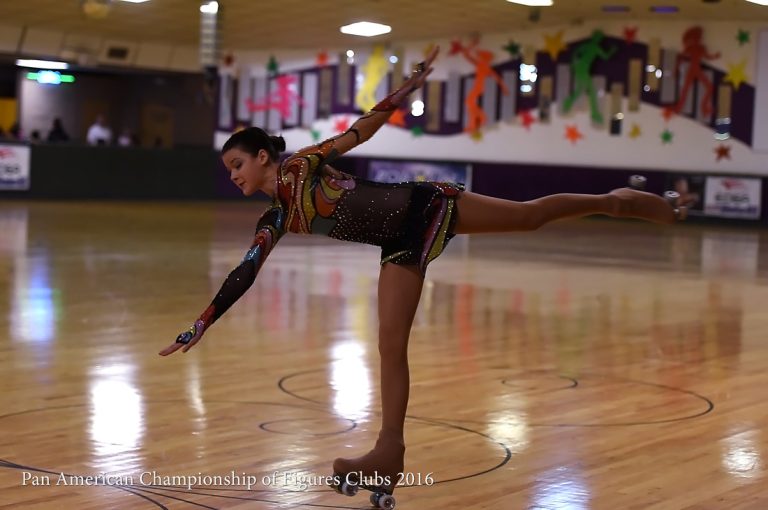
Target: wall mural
{"points": [[600, 76]]}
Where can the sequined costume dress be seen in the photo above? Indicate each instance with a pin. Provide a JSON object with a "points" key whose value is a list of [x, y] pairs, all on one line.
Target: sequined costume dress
{"points": [[412, 222]]}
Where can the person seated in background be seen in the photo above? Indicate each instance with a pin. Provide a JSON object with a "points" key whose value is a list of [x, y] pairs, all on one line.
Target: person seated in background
{"points": [[57, 132], [35, 137], [125, 139], [99, 133], [15, 132]]}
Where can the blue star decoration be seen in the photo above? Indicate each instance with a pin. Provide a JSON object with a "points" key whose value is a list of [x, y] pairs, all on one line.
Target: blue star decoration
{"points": [[666, 136], [743, 37], [512, 48]]}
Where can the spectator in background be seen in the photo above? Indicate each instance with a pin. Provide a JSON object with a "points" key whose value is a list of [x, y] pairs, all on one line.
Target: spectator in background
{"points": [[15, 132], [35, 137], [57, 132], [99, 133], [125, 139]]}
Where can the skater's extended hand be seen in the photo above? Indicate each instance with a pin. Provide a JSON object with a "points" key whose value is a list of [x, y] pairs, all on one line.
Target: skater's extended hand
{"points": [[186, 340], [418, 76]]}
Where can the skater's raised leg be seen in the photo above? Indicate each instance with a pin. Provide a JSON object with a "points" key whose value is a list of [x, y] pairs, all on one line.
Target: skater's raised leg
{"points": [[483, 214]]}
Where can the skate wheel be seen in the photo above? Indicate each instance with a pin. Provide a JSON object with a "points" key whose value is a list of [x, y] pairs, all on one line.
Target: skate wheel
{"points": [[672, 197], [383, 501], [348, 489], [637, 182]]}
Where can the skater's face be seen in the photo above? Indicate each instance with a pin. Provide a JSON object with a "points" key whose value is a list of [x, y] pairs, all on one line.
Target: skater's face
{"points": [[246, 170]]}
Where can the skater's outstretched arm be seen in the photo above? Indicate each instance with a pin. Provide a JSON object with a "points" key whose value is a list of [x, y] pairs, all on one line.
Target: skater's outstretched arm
{"points": [[270, 229], [367, 125]]}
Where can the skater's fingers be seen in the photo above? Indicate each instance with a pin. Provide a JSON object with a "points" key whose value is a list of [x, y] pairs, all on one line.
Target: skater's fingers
{"points": [[432, 56], [171, 349]]}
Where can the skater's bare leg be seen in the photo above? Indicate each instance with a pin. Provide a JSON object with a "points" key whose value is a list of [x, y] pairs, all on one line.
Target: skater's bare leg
{"points": [[483, 214], [399, 294]]}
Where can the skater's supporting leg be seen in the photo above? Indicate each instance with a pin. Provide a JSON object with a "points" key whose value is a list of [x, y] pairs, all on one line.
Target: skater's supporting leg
{"points": [[399, 293], [483, 214]]}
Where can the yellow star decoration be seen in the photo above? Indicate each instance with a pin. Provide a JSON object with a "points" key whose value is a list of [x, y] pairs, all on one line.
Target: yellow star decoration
{"points": [[635, 132], [477, 135], [428, 49], [554, 44], [736, 74]]}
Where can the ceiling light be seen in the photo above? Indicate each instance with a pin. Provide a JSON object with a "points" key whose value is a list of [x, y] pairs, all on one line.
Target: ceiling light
{"points": [[664, 9], [210, 7], [759, 2], [42, 64], [366, 29], [533, 3], [616, 8]]}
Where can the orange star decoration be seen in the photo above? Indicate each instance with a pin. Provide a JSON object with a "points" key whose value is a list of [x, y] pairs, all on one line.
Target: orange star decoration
{"points": [[554, 44], [736, 74], [526, 118], [572, 133], [322, 59], [398, 118], [723, 152], [668, 113], [635, 132], [341, 125]]}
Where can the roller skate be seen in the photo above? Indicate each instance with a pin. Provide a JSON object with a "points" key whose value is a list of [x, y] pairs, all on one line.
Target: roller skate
{"points": [[378, 471], [635, 203]]}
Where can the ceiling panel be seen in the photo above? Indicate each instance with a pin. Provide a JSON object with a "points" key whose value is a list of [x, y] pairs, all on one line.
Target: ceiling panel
{"points": [[249, 25]]}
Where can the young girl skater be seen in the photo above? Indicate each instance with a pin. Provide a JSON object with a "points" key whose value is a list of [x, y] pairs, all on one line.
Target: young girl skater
{"points": [[411, 222]]}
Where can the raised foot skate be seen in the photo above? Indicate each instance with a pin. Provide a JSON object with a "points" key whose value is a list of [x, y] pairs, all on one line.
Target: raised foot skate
{"points": [[635, 203]]}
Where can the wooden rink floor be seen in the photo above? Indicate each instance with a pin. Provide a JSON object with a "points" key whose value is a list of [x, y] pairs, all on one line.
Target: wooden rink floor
{"points": [[595, 364]]}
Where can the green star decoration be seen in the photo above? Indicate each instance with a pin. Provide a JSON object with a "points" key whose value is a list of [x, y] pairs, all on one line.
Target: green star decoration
{"points": [[315, 134], [666, 136], [743, 37], [513, 48], [272, 66], [417, 131]]}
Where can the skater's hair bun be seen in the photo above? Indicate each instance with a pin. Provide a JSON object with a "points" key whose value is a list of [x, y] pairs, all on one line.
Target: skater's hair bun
{"points": [[278, 142], [254, 139]]}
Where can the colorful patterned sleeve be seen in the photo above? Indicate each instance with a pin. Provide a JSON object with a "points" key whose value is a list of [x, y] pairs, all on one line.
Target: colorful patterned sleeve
{"points": [[268, 232]]}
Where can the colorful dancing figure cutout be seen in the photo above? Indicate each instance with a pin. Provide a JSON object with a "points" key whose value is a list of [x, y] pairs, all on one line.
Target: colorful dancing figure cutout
{"points": [[695, 51], [481, 59], [583, 58]]}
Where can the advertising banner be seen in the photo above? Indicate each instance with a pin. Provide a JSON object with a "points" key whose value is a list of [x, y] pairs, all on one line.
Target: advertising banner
{"points": [[14, 167], [733, 197], [402, 171]]}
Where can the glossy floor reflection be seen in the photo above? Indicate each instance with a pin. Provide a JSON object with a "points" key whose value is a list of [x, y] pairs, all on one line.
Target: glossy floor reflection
{"points": [[590, 365]]}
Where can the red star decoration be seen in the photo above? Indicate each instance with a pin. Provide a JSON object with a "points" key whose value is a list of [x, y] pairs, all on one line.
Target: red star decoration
{"points": [[341, 125], [527, 119], [723, 151], [668, 113], [398, 118], [322, 58], [455, 47], [572, 133], [630, 33]]}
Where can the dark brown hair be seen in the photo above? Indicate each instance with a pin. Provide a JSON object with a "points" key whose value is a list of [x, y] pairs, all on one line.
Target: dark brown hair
{"points": [[254, 139]]}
